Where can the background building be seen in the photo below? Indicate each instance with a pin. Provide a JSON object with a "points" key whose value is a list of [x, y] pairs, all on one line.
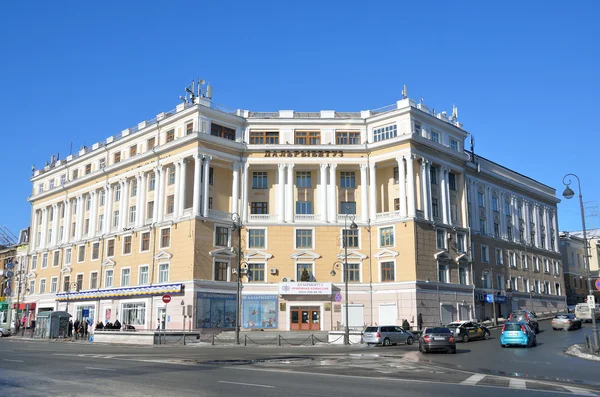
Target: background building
{"points": [[150, 211], [576, 272]]}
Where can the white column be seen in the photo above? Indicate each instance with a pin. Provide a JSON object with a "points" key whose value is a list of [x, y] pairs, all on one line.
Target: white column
{"points": [[196, 204], [333, 200], [373, 191], [527, 222], [108, 204], [548, 227], [124, 210], [444, 194], [556, 241], [489, 211], [289, 210], [140, 202], [182, 191], [425, 190], [244, 201], [515, 219], [538, 225], [54, 239], [159, 199], [44, 228], [281, 192], [177, 189], [235, 188], [67, 222], [33, 232], [93, 213], [205, 186], [474, 206], [410, 171], [79, 222], [364, 208], [323, 192], [501, 201]]}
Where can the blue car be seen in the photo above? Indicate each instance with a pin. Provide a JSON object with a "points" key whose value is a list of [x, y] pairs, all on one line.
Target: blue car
{"points": [[517, 334]]}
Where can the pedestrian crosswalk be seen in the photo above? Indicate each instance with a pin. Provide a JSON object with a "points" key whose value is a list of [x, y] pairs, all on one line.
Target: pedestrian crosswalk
{"points": [[524, 384]]}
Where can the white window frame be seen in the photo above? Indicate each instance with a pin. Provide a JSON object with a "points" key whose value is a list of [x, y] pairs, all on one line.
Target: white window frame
{"points": [[464, 242], [379, 262], [214, 263], [487, 248], [379, 236], [68, 255], [121, 277], [168, 273], [170, 237], [84, 254], [312, 238], [136, 301], [248, 237], [444, 239], [58, 262], [512, 259], [140, 267], [142, 239], [44, 282], [501, 261], [44, 264], [82, 280], [54, 282], [359, 239], [266, 271], [90, 280], [123, 245], [106, 248], [112, 284], [360, 272], [92, 251], [308, 262], [467, 274]]}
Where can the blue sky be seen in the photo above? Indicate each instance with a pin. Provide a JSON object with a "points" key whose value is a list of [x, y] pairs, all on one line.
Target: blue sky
{"points": [[524, 74]]}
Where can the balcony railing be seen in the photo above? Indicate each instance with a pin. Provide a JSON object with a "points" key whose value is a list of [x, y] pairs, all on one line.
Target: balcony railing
{"points": [[261, 218], [381, 216], [306, 217]]}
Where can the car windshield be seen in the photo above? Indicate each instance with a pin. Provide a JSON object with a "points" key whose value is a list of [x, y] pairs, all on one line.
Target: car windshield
{"points": [[512, 327], [437, 330], [371, 329], [453, 325], [563, 316]]}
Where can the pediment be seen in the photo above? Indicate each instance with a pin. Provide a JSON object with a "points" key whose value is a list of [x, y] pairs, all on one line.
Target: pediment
{"points": [[226, 252], [441, 256], [32, 275], [108, 263], [462, 258], [305, 255], [163, 256], [386, 253], [257, 255], [66, 270], [353, 255]]}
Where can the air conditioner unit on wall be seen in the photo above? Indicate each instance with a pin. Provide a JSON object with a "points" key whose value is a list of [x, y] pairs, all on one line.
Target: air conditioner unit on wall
{"points": [[273, 270]]}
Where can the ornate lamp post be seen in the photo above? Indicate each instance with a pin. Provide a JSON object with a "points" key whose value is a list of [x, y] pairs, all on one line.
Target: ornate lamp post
{"points": [[237, 225], [569, 194], [75, 286]]}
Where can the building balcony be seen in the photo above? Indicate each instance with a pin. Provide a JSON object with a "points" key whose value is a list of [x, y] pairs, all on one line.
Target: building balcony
{"points": [[262, 218], [383, 216], [220, 215], [306, 217]]}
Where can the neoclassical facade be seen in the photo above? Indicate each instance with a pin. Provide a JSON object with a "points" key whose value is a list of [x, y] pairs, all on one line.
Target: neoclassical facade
{"points": [[172, 204]]}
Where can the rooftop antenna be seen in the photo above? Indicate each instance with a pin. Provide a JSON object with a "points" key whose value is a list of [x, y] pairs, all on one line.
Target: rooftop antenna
{"points": [[472, 149], [209, 91], [454, 112], [32, 169], [201, 82], [405, 92], [190, 91]]}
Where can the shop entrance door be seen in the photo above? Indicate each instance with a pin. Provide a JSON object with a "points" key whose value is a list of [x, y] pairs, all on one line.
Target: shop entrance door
{"points": [[305, 318]]}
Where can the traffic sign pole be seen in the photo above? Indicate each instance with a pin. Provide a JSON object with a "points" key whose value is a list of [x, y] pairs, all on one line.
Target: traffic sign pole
{"points": [[166, 298]]}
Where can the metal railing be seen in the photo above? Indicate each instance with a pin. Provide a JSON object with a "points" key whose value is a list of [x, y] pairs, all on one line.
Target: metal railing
{"points": [[261, 217]]}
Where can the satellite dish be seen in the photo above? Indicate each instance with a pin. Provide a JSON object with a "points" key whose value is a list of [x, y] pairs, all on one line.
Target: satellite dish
{"points": [[201, 82]]}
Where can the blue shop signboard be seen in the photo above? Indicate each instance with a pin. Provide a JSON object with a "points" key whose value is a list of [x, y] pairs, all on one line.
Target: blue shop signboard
{"points": [[215, 310], [259, 311], [489, 298]]}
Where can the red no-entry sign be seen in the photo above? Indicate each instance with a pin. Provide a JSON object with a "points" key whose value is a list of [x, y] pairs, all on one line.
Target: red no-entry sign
{"points": [[166, 298]]}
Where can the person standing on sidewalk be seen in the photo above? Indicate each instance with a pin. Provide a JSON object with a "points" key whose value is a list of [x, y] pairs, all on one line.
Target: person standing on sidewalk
{"points": [[420, 321], [70, 328]]}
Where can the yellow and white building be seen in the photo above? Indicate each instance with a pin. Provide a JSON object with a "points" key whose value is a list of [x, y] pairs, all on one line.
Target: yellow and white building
{"points": [[149, 212]]}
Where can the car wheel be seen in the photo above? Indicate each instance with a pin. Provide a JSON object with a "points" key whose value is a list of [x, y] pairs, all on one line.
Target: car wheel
{"points": [[465, 338], [386, 342], [537, 330], [409, 340], [1, 334], [503, 346], [486, 335], [453, 350], [534, 342]]}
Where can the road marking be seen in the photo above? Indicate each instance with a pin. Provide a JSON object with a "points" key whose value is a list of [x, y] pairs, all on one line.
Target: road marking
{"points": [[515, 383], [577, 390], [473, 379], [101, 369], [245, 384], [12, 361]]}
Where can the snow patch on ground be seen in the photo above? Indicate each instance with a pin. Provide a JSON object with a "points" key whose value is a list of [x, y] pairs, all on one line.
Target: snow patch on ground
{"points": [[581, 352]]}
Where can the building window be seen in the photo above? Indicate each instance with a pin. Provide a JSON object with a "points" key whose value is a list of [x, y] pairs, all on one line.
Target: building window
{"points": [[88, 169], [512, 260], [482, 226], [264, 137], [496, 230], [256, 272], [189, 128], [133, 191], [221, 271], [260, 180], [546, 265], [44, 260], [487, 280], [259, 207], [133, 313], [125, 273], [461, 245], [110, 248], [383, 133], [441, 239], [63, 179], [417, 128], [256, 238], [151, 143], [499, 259], [56, 259], [132, 150], [165, 238], [66, 283], [222, 132], [386, 237], [443, 271], [170, 136], [126, 245], [354, 272], [536, 264], [434, 207], [347, 137], [454, 145], [435, 136], [68, 256], [53, 285], [170, 204], [102, 197], [145, 242], [100, 222], [117, 157], [34, 262], [433, 174], [74, 175], [108, 278], [95, 251], [43, 286], [150, 209], [351, 236], [211, 176], [396, 204], [116, 219], [304, 272], [463, 275], [304, 238], [396, 176], [556, 270], [387, 272], [347, 207], [509, 233], [304, 207], [132, 210], [221, 236], [524, 262], [303, 179], [452, 181], [163, 273], [347, 180], [171, 176], [152, 182], [485, 254], [81, 253], [480, 200], [143, 276], [307, 137], [117, 193]]}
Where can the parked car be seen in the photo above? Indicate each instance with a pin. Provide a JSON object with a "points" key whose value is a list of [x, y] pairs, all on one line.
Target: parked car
{"points": [[527, 317], [467, 330], [4, 332], [387, 335], [437, 339], [517, 333], [566, 321], [583, 312]]}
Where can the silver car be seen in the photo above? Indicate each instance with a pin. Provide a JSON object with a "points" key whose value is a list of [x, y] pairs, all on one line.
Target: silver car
{"points": [[4, 332], [387, 335]]}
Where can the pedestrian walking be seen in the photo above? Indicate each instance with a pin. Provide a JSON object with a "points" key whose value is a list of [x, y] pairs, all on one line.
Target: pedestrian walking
{"points": [[420, 321], [76, 328], [70, 328]]}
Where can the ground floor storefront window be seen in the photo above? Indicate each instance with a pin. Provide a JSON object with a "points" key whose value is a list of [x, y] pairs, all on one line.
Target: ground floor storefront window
{"points": [[215, 310], [133, 313], [259, 311], [86, 311]]}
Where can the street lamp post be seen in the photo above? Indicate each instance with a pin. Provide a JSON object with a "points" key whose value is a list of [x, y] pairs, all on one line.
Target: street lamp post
{"points": [[491, 273], [237, 225], [568, 194], [74, 285]]}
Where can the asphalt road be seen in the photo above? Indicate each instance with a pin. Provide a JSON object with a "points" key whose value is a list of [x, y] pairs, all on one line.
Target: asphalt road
{"points": [[29, 368]]}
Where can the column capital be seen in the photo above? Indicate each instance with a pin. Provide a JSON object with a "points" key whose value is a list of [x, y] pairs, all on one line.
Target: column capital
{"points": [[207, 157], [54, 206], [281, 166], [325, 165], [363, 167], [332, 166], [236, 166], [291, 166]]}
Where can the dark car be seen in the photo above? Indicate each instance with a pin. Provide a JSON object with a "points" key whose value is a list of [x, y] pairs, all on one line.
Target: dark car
{"points": [[527, 317], [437, 339], [468, 330]]}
